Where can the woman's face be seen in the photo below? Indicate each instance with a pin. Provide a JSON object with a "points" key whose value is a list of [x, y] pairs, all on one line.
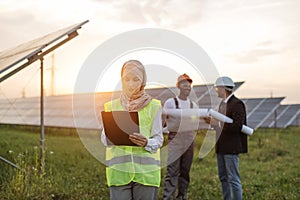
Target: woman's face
{"points": [[131, 82]]}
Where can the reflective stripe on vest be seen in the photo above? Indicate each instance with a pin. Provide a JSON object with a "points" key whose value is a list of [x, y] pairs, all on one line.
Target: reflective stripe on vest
{"points": [[136, 159]]}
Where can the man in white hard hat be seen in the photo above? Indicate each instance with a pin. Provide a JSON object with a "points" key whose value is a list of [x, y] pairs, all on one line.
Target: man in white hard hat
{"points": [[230, 141]]}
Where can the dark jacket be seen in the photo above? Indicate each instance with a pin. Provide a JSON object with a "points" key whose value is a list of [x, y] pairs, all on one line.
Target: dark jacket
{"points": [[231, 140]]}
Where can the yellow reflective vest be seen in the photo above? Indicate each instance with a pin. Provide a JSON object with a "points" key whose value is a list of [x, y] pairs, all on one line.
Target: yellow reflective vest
{"points": [[127, 164]]}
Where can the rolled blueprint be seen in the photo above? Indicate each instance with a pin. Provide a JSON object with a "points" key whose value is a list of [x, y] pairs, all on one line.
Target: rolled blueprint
{"points": [[245, 129], [187, 113], [183, 120], [220, 116], [203, 112]]}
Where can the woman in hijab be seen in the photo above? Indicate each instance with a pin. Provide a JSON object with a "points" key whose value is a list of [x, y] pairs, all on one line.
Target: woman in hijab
{"points": [[133, 172]]}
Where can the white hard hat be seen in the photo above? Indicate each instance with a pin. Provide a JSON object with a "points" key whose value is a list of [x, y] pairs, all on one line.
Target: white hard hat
{"points": [[225, 81]]}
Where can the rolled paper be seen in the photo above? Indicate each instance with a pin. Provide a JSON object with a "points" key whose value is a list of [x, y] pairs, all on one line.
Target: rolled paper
{"points": [[220, 116], [182, 120], [203, 112], [247, 130], [187, 113]]}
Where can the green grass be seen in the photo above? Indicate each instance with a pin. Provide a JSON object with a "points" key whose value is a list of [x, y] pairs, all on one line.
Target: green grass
{"points": [[269, 171]]}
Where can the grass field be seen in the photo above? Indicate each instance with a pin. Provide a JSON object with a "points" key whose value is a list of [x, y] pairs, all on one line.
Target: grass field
{"points": [[269, 171]]}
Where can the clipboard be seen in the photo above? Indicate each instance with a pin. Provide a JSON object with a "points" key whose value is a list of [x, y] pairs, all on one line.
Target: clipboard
{"points": [[118, 125]]}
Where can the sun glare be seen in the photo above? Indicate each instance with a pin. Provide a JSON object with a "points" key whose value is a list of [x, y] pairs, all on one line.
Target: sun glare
{"points": [[159, 66]]}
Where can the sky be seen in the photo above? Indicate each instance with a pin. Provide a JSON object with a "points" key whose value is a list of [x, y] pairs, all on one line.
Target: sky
{"points": [[253, 41]]}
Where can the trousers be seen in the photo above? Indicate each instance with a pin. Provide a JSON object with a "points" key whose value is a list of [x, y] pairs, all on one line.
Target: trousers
{"points": [[133, 191], [229, 176], [178, 170]]}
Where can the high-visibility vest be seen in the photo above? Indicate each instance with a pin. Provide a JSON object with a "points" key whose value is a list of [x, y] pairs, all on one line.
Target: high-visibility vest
{"points": [[127, 164]]}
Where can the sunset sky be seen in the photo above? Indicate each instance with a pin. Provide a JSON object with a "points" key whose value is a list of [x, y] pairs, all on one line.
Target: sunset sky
{"points": [[253, 41]]}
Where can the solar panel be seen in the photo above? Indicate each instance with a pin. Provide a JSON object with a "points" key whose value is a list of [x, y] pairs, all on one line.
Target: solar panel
{"points": [[260, 109], [287, 115], [15, 59]]}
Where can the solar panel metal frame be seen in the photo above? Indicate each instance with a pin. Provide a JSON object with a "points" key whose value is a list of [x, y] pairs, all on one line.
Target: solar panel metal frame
{"points": [[38, 53]]}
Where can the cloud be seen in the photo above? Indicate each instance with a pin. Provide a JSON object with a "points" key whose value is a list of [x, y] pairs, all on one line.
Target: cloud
{"points": [[255, 5], [20, 25], [264, 43], [168, 13], [254, 55], [14, 27]]}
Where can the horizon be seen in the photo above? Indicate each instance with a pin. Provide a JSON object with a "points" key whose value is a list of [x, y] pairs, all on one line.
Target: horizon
{"points": [[149, 88]]}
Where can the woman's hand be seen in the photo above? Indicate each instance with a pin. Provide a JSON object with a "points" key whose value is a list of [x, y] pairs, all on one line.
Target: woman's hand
{"points": [[138, 139]]}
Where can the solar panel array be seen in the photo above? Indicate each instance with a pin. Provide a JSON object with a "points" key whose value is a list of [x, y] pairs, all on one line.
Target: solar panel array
{"points": [[284, 116], [259, 109], [59, 110]]}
